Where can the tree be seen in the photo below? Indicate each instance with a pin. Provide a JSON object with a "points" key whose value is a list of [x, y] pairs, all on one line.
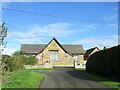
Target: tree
{"points": [[3, 34], [18, 53]]}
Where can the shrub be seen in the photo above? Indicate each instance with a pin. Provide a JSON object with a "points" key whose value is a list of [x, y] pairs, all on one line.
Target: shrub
{"points": [[16, 61], [12, 64], [29, 60]]}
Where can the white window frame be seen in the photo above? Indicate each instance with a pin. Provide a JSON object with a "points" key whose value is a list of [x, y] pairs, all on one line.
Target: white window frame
{"points": [[54, 55]]}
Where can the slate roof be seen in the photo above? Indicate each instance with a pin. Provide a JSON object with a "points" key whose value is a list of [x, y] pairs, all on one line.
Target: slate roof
{"points": [[89, 51], [32, 48], [73, 49], [36, 48]]}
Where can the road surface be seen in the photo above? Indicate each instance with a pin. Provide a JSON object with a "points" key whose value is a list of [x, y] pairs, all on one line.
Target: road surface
{"points": [[68, 78]]}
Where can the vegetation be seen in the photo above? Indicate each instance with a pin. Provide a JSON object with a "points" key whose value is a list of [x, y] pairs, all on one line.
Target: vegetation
{"points": [[18, 53], [16, 62], [105, 62], [104, 80], [22, 79], [14, 73], [29, 60], [3, 34], [11, 63]]}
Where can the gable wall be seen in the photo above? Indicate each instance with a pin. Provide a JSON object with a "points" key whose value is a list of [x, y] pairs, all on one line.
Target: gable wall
{"points": [[64, 59], [95, 50], [62, 56]]}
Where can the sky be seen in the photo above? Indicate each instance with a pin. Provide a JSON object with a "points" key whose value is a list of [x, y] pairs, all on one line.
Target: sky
{"points": [[91, 24]]}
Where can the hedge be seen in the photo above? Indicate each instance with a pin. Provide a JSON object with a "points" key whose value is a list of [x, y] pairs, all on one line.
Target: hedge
{"points": [[13, 63], [105, 62]]}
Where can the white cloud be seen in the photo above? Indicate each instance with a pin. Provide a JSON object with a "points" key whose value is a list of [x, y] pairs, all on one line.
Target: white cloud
{"points": [[100, 42], [55, 29], [36, 33], [29, 40], [17, 34]]}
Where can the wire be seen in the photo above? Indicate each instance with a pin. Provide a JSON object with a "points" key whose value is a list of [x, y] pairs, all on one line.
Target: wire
{"points": [[17, 29], [56, 16]]}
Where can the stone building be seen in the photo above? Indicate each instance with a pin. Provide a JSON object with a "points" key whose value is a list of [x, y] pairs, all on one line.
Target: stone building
{"points": [[55, 54]]}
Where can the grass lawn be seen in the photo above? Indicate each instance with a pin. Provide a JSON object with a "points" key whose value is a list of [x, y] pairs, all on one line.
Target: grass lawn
{"points": [[102, 79], [41, 69], [22, 79]]}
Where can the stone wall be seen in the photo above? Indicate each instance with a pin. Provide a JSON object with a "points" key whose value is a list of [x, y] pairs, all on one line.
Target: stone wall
{"points": [[46, 65], [81, 65], [35, 66]]}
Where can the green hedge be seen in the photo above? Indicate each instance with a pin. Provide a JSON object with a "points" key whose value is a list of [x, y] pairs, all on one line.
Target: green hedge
{"points": [[13, 63], [105, 62]]}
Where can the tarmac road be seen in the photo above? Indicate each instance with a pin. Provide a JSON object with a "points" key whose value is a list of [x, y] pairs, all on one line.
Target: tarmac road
{"points": [[68, 78]]}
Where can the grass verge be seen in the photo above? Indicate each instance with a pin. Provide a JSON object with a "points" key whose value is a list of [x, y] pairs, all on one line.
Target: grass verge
{"points": [[101, 79], [22, 79]]}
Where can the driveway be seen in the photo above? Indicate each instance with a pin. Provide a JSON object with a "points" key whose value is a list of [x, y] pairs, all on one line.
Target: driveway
{"points": [[67, 78]]}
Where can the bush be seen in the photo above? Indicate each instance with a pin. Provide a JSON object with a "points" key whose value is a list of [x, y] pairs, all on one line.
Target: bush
{"points": [[16, 62], [29, 60], [105, 62], [12, 64]]}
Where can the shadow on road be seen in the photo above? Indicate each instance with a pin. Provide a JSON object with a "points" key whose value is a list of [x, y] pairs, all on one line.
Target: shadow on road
{"points": [[79, 74]]}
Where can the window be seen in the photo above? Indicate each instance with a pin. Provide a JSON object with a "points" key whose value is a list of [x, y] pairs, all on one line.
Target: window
{"points": [[54, 55], [76, 58]]}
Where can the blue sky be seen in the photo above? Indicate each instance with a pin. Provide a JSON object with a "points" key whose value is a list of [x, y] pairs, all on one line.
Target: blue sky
{"points": [[88, 23]]}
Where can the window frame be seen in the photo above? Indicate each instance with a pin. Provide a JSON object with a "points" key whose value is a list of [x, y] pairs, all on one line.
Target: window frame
{"points": [[53, 55]]}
